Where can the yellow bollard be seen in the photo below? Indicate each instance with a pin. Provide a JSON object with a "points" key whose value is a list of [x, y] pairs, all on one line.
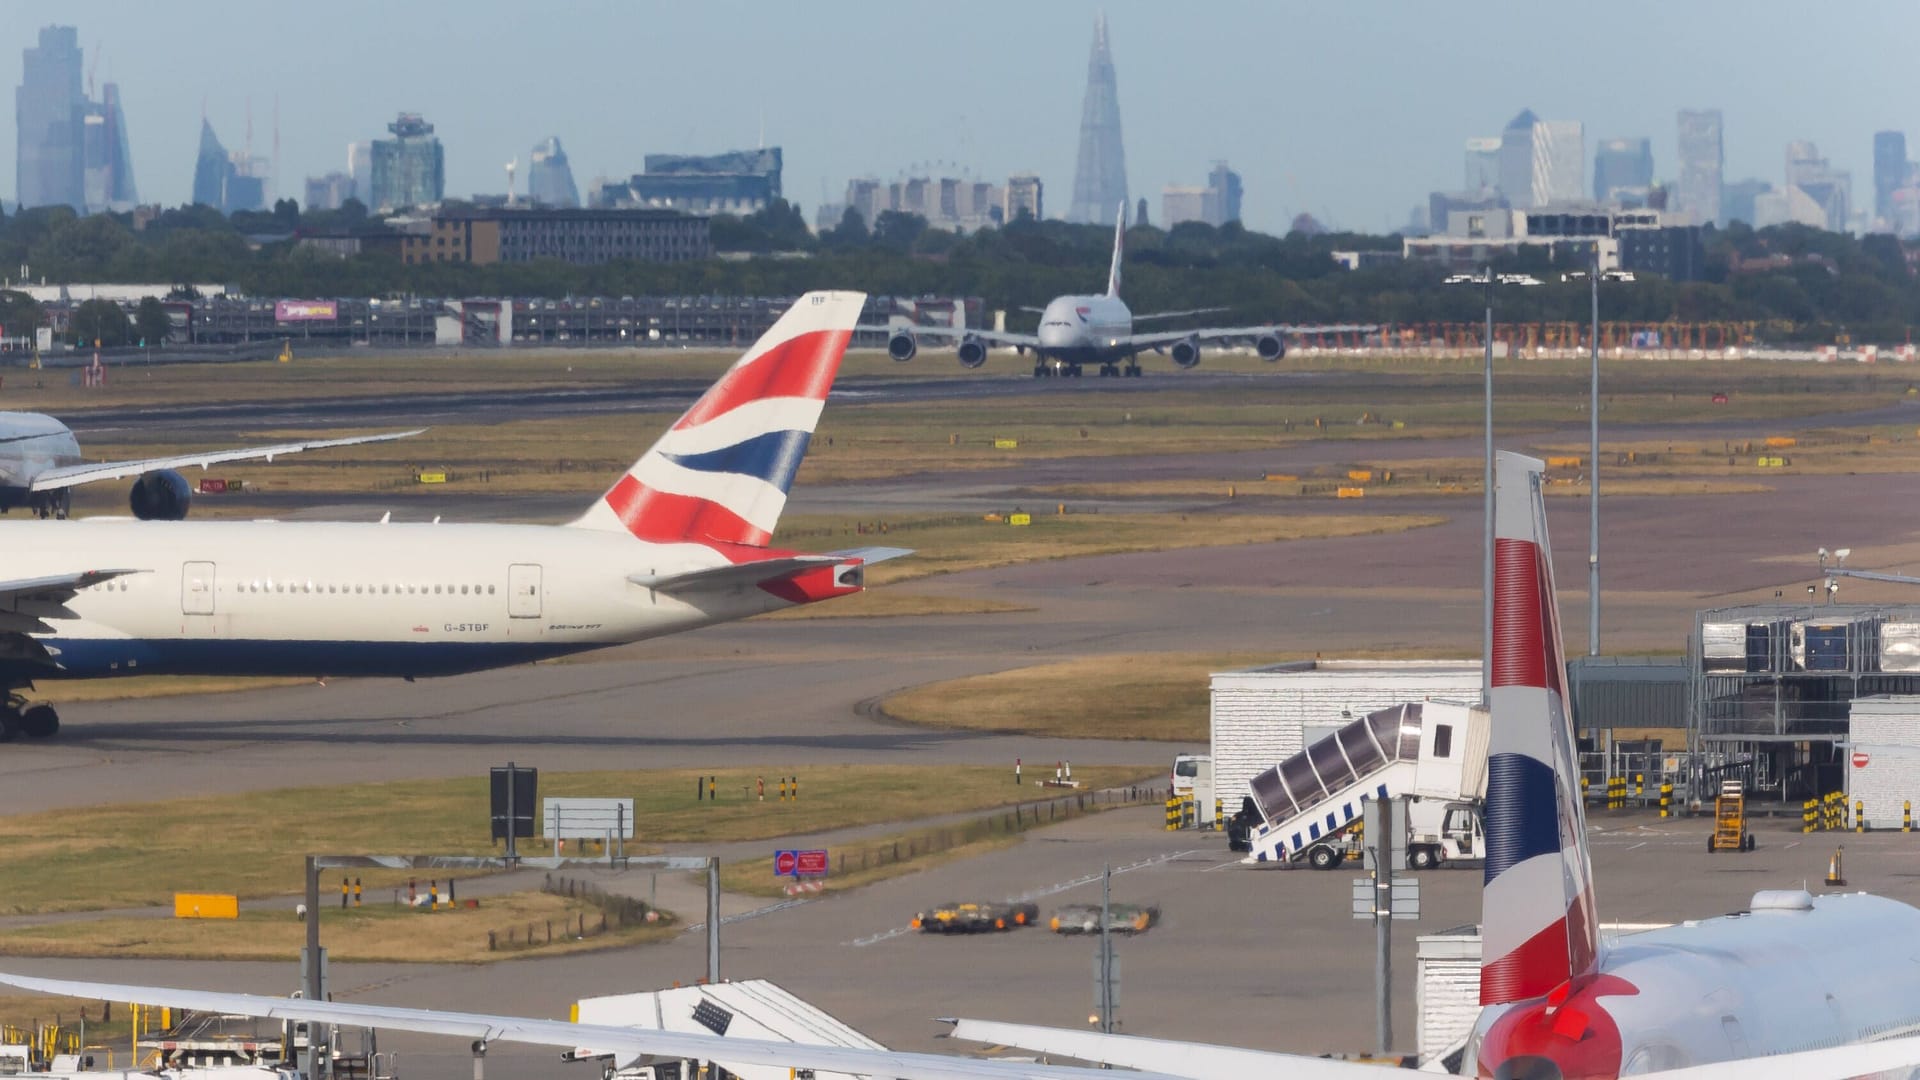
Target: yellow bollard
{"points": [[1666, 800], [1859, 815], [1906, 816], [1836, 872]]}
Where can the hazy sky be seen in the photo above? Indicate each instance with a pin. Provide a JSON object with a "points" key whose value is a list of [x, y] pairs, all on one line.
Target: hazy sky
{"points": [[1352, 111]]}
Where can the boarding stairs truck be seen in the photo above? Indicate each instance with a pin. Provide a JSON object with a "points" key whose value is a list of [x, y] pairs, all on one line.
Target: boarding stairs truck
{"points": [[1433, 752]]}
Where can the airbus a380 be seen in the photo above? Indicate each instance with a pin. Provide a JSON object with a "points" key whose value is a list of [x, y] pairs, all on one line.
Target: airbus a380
{"points": [[1080, 331], [1797, 987], [680, 541]]}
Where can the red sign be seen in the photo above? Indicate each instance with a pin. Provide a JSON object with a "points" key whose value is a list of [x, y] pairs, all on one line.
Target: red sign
{"points": [[1860, 759], [811, 863], [784, 863], [212, 487]]}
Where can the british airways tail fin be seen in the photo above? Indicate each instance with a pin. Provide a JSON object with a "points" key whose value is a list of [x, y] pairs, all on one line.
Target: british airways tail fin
{"points": [[1119, 247], [1539, 928], [722, 472]]}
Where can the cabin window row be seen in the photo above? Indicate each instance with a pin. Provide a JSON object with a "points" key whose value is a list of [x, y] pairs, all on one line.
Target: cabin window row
{"points": [[363, 589]]}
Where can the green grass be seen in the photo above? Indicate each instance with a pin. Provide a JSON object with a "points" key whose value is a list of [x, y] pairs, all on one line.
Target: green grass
{"points": [[252, 844]]}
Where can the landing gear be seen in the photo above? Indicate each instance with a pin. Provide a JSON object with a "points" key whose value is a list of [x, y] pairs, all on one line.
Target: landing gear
{"points": [[1132, 370], [35, 721], [1108, 371], [56, 504]]}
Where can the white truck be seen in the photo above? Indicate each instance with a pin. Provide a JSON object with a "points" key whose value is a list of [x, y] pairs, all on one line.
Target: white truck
{"points": [[1433, 752]]}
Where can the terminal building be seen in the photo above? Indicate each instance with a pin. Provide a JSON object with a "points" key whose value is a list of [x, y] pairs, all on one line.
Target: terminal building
{"points": [[1469, 233]]}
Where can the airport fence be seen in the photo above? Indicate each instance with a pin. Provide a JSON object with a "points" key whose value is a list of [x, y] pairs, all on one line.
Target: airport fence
{"points": [[1019, 818], [613, 912]]}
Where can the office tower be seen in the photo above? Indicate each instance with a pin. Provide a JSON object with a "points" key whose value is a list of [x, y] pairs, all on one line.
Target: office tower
{"points": [[48, 110], [1225, 184], [1889, 170], [1702, 162], [1100, 177], [549, 178], [1024, 194], [1483, 163], [1623, 170], [410, 168]]}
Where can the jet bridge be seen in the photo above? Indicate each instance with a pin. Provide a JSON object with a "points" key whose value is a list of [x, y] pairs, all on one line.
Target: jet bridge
{"points": [[1432, 749]]}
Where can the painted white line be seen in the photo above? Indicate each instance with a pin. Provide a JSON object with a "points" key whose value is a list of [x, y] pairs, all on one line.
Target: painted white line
{"points": [[728, 920], [1638, 846]]}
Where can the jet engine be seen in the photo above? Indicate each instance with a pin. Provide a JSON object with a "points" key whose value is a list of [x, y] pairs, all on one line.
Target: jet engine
{"points": [[161, 495], [1186, 352], [901, 346], [1270, 347], [972, 351]]}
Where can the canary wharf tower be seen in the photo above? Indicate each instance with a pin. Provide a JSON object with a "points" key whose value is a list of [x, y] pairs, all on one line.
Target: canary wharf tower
{"points": [[1100, 181]]}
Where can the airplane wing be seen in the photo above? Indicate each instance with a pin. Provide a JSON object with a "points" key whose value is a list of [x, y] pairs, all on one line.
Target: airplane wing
{"points": [[1164, 1055], [755, 571], [1237, 334], [626, 1044], [70, 475], [1177, 314], [1871, 575], [25, 603], [998, 339]]}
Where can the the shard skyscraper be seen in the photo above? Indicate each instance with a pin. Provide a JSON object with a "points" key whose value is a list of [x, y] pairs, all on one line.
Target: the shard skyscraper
{"points": [[1100, 181]]}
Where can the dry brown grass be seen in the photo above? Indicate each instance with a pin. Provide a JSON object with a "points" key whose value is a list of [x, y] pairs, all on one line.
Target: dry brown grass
{"points": [[377, 933], [251, 844], [1156, 696]]}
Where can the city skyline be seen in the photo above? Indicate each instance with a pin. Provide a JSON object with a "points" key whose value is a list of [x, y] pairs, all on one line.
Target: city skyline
{"points": [[1286, 123]]}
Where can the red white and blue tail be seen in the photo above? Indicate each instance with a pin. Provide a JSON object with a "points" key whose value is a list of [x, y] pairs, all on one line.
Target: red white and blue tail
{"points": [[722, 472], [1538, 924]]}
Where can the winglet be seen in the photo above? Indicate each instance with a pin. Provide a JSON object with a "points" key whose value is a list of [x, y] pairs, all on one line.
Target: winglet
{"points": [[1538, 920], [1119, 246]]}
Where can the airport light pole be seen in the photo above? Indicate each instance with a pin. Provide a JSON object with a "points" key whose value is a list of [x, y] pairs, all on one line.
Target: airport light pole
{"points": [[1486, 566], [1593, 471]]}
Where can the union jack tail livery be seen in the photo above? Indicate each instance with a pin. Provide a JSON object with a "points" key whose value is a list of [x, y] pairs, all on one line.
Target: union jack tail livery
{"points": [[1540, 931], [722, 472]]}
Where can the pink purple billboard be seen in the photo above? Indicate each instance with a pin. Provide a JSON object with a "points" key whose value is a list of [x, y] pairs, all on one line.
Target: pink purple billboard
{"points": [[305, 310]]}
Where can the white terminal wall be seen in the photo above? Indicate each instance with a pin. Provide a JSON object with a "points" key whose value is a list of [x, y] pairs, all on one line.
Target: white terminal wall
{"points": [[1262, 716]]}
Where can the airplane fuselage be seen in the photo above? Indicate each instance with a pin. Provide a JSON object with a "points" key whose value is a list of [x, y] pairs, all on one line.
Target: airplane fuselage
{"points": [[267, 598], [1771, 981], [30, 444], [1086, 330]]}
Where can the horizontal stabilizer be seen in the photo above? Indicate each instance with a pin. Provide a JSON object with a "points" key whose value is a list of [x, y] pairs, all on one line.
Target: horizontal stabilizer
{"points": [[870, 555], [70, 475]]}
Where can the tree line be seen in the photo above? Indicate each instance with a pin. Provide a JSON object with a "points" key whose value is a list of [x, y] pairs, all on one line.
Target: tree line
{"points": [[1791, 282]]}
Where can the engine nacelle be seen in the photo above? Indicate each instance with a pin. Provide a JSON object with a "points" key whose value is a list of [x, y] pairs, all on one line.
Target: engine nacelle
{"points": [[972, 351], [901, 346], [161, 495], [1270, 347], [1185, 352]]}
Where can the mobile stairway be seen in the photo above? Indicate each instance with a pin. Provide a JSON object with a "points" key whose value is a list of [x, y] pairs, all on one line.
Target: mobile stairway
{"points": [[1309, 802]]}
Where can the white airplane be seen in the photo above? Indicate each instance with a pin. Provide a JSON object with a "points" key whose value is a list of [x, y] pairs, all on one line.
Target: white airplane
{"points": [[1076, 331], [40, 465], [1796, 988], [680, 541]]}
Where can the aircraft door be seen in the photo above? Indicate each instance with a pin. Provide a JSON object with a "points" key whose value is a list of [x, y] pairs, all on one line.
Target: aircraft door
{"points": [[523, 590], [196, 588]]}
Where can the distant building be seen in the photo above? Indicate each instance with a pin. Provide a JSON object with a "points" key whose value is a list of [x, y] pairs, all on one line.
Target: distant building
{"points": [[580, 237], [1024, 194], [739, 182], [1227, 191], [1571, 235], [1737, 198], [1179, 205], [226, 181], [1702, 163], [1623, 171], [409, 169], [1100, 174], [1541, 161], [549, 178], [70, 150], [1478, 213], [1215, 204], [360, 169], [1890, 170], [1816, 194], [48, 106], [1483, 163], [1676, 252], [865, 197], [328, 192]]}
